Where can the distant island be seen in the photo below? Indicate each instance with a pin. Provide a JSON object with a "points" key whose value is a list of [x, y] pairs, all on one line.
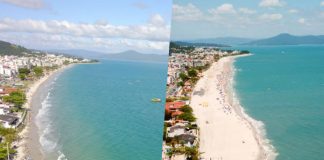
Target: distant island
{"points": [[10, 49], [199, 44], [280, 39], [222, 40], [288, 39], [129, 55]]}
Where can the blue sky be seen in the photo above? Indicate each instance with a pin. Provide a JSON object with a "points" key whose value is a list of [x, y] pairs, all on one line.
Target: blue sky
{"points": [[194, 19], [101, 25]]}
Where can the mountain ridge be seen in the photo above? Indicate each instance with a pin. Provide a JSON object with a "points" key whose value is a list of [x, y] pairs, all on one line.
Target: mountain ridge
{"points": [[129, 55], [289, 39]]}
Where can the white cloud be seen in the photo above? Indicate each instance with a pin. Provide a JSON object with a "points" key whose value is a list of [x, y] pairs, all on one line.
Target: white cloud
{"points": [[271, 17], [223, 9], [155, 29], [157, 20], [152, 37], [271, 3], [32, 4], [186, 12], [108, 45], [293, 11], [301, 20], [322, 3], [246, 11]]}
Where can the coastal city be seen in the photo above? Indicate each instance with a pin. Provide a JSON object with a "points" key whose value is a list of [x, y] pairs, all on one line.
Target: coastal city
{"points": [[20, 75], [187, 64]]}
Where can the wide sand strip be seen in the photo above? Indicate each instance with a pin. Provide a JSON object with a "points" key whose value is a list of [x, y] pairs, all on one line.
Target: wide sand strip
{"points": [[224, 132]]}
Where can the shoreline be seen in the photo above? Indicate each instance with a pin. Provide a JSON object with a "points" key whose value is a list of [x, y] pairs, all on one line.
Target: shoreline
{"points": [[29, 134], [267, 151], [219, 125]]}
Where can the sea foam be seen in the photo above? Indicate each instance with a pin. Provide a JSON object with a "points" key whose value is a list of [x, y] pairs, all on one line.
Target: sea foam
{"points": [[268, 150]]}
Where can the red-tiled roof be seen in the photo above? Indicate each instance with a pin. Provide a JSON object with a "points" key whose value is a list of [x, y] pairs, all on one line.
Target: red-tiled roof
{"points": [[8, 90], [174, 105]]}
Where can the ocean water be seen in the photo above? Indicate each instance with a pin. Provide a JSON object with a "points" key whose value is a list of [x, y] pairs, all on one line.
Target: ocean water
{"points": [[103, 112], [283, 86]]}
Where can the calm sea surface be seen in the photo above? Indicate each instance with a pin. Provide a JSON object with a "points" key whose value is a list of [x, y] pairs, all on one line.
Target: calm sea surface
{"points": [[104, 112], [283, 86]]}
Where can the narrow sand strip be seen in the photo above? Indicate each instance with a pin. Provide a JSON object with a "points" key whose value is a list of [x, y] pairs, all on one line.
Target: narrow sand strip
{"points": [[225, 133], [23, 150]]}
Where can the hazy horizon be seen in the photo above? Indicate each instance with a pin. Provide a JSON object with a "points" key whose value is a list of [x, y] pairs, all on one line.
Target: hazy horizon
{"points": [[249, 19]]}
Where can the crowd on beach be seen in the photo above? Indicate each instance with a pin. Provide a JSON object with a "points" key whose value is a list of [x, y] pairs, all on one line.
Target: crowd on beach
{"points": [[185, 68], [18, 73]]}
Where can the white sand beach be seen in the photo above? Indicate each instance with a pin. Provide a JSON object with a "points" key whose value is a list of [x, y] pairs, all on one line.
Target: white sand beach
{"points": [[226, 132], [29, 133]]}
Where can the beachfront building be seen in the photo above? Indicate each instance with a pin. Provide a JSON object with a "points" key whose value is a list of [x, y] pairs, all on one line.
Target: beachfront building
{"points": [[8, 121], [4, 110], [185, 67], [9, 65]]}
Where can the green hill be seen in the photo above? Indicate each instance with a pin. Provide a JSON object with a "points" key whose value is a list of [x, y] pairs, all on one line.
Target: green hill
{"points": [[7, 48]]}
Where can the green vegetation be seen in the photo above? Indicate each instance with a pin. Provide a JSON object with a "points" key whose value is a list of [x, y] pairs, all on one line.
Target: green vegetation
{"points": [[216, 57], [22, 76], [18, 98], [186, 108], [176, 48], [187, 114], [11, 49], [187, 117], [184, 98], [192, 153], [183, 76], [38, 71], [66, 62], [192, 73], [8, 135], [23, 72], [180, 84]]}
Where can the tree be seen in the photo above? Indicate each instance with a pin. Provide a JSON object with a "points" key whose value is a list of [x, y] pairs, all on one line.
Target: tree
{"points": [[186, 109], [192, 153], [183, 76], [169, 99], [216, 57], [9, 135], [18, 98], [187, 117], [66, 62], [194, 80], [22, 76], [25, 71], [192, 73], [38, 71], [180, 84]]}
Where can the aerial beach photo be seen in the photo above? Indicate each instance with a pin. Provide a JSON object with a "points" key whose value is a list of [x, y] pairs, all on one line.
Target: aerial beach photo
{"points": [[245, 81], [82, 80]]}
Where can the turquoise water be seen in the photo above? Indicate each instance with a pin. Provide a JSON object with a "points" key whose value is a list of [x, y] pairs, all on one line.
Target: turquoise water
{"points": [[283, 86], [103, 112]]}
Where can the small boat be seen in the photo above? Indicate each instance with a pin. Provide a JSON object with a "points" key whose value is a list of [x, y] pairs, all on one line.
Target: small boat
{"points": [[155, 100]]}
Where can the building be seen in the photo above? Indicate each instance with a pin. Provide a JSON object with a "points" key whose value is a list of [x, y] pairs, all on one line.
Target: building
{"points": [[8, 121]]}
